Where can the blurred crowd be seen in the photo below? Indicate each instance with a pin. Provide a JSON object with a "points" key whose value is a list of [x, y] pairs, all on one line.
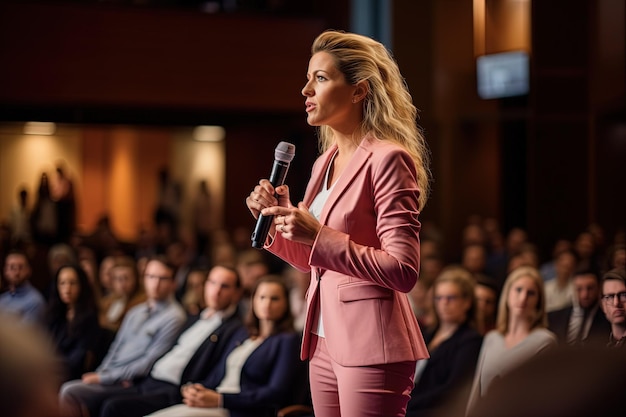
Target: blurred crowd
{"points": [[82, 299]]}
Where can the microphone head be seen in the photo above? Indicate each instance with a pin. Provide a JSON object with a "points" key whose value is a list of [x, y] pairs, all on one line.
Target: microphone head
{"points": [[284, 152]]}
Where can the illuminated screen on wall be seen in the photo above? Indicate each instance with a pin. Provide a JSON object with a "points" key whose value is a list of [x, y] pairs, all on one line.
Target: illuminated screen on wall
{"points": [[502, 75]]}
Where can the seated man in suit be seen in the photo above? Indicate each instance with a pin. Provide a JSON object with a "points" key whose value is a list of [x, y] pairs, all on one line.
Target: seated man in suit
{"points": [[195, 353], [148, 330], [583, 323], [614, 305]]}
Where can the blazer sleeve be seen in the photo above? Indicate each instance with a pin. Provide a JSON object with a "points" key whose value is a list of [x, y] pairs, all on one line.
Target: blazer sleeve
{"points": [[274, 393], [392, 259]]}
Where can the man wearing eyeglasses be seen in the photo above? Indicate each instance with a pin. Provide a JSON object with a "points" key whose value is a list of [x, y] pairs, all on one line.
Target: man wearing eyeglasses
{"points": [[147, 332], [614, 305]]}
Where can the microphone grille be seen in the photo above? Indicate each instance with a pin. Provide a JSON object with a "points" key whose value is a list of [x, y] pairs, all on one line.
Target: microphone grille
{"points": [[284, 152]]}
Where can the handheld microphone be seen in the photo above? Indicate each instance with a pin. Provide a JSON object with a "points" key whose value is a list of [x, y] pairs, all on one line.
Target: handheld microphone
{"points": [[283, 154]]}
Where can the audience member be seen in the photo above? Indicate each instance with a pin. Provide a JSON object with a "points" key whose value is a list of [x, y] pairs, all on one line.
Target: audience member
{"points": [[520, 334], [19, 220], [548, 269], [88, 262], [21, 298], [179, 255], [105, 276], [453, 344], [126, 292], [193, 357], [615, 257], [147, 331], [29, 374], [257, 376], [251, 265], [486, 294], [560, 382], [167, 211], [585, 249], [44, 215], [583, 323], [73, 321], [298, 283], [559, 291], [474, 258], [60, 254], [63, 195], [202, 217], [613, 305], [193, 298]]}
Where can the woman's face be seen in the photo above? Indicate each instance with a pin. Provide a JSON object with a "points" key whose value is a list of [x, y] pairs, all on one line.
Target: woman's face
{"points": [[123, 281], [451, 306], [523, 297], [105, 272], [329, 98], [269, 301], [68, 286]]}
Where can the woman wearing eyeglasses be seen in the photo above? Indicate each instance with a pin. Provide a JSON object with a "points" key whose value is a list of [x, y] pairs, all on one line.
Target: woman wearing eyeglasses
{"points": [[453, 343], [521, 333], [614, 305]]}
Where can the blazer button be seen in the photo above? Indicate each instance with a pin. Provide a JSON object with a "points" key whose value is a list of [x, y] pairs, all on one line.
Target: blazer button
{"points": [[213, 338]]}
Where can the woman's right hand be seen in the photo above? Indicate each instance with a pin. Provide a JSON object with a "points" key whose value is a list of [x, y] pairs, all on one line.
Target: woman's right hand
{"points": [[263, 196]]}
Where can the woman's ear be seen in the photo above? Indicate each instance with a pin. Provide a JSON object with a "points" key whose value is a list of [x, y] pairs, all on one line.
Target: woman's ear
{"points": [[361, 90]]}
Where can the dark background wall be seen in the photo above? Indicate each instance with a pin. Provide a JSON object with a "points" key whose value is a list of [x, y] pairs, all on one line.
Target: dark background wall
{"points": [[551, 162]]}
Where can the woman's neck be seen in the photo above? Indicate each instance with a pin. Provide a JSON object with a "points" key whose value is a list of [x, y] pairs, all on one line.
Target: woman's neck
{"points": [[518, 330], [266, 327], [70, 313], [443, 333]]}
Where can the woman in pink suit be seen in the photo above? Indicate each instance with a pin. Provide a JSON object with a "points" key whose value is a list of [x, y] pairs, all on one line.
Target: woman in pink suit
{"points": [[357, 230]]}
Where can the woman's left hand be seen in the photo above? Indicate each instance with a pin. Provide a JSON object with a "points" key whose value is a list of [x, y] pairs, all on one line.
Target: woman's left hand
{"points": [[196, 395], [295, 223]]}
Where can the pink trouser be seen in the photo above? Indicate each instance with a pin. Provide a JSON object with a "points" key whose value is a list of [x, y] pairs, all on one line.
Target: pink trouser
{"points": [[358, 391]]}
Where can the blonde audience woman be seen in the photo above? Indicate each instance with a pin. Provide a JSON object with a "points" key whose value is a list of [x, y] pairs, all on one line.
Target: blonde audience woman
{"points": [[520, 334]]}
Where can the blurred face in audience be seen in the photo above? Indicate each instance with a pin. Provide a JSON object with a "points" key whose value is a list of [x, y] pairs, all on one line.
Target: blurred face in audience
{"points": [[123, 280], [587, 290], [158, 281], [104, 273], [450, 304], [523, 298], [16, 269], [485, 301], [565, 264], [270, 301], [68, 286], [220, 289]]}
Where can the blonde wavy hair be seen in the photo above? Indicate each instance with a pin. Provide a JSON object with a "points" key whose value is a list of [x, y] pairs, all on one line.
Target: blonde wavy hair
{"points": [[388, 109]]}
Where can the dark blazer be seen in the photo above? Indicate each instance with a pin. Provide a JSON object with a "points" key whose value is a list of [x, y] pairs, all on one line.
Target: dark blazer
{"points": [[211, 350], [151, 395], [558, 322], [450, 369], [76, 348], [268, 376]]}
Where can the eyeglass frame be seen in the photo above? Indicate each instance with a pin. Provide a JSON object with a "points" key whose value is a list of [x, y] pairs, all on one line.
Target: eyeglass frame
{"points": [[609, 298]]}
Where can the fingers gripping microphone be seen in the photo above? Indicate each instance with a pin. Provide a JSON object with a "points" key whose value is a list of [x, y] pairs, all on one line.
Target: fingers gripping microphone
{"points": [[283, 155]]}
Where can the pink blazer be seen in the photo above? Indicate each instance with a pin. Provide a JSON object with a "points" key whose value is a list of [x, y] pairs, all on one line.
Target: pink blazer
{"points": [[365, 258]]}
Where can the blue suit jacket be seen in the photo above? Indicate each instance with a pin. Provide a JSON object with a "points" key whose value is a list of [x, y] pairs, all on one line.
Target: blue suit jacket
{"points": [[268, 376]]}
